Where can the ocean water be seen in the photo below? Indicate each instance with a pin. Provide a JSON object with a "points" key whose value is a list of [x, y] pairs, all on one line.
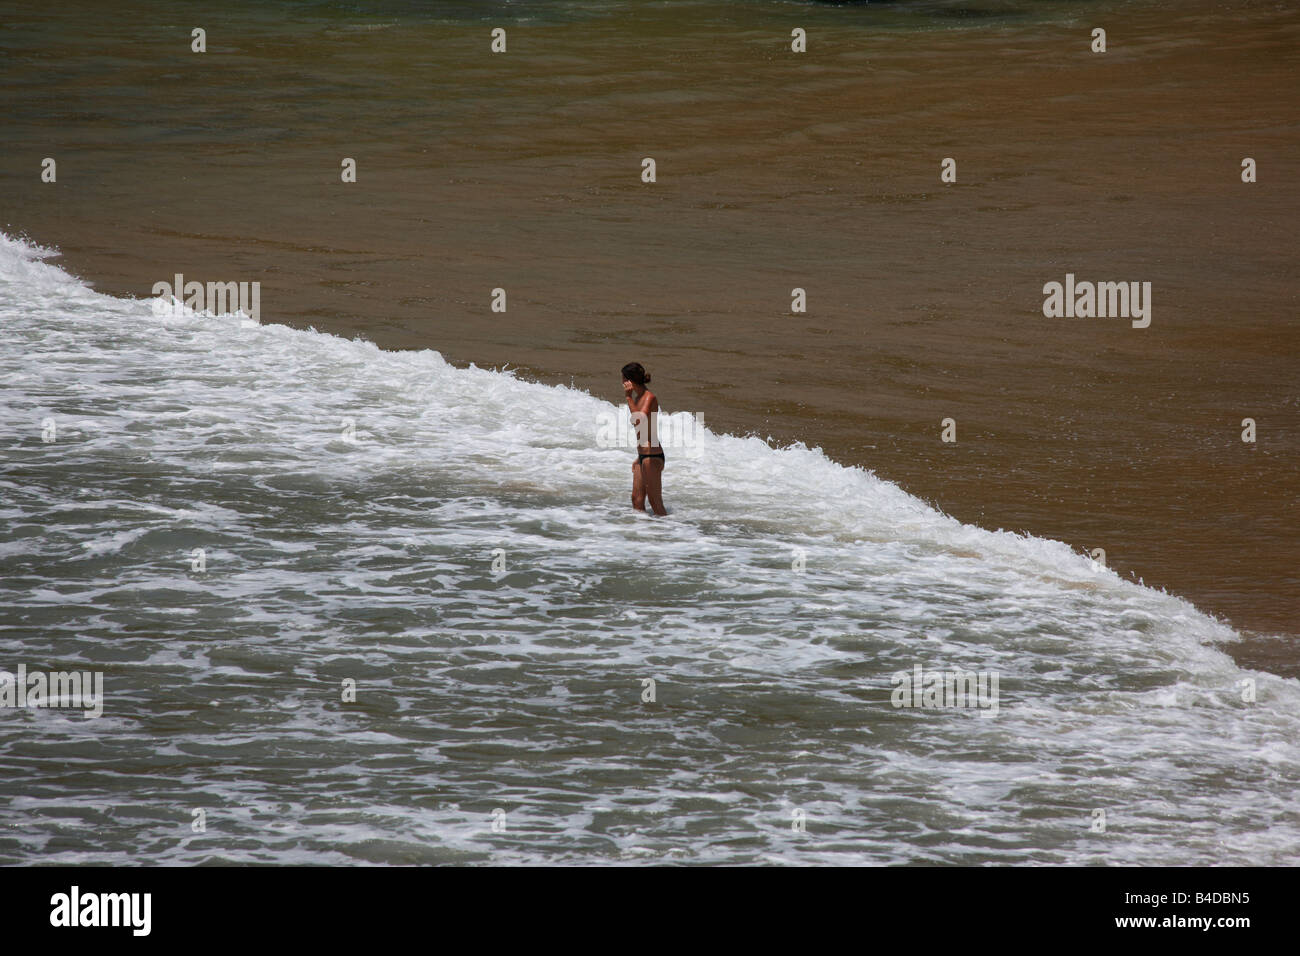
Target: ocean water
{"points": [[499, 714], [776, 171]]}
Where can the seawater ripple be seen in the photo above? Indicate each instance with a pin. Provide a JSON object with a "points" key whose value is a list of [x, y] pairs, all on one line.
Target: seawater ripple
{"points": [[520, 690]]}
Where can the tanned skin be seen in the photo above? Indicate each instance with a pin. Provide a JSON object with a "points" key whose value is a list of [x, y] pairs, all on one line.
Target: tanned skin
{"points": [[647, 473]]}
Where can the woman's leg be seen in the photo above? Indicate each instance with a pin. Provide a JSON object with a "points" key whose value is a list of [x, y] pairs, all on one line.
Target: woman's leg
{"points": [[638, 486], [653, 469]]}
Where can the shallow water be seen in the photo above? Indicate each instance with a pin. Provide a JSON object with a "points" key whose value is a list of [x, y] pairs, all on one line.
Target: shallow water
{"points": [[521, 689], [776, 171]]}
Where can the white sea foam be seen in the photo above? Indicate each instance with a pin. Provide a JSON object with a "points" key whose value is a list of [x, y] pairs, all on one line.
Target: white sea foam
{"points": [[328, 558]]}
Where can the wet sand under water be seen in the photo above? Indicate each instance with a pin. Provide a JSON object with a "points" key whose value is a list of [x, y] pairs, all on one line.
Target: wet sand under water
{"points": [[774, 171]]}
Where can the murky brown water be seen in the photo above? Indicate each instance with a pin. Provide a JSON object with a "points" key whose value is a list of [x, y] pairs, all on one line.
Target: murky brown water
{"points": [[775, 171]]}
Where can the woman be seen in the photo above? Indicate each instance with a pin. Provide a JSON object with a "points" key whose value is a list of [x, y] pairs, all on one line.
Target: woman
{"points": [[648, 470]]}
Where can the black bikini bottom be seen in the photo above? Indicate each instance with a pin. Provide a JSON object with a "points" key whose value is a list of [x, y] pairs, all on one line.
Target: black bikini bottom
{"points": [[657, 454]]}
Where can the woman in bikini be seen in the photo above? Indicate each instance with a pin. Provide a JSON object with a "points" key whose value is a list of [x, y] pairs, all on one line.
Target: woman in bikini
{"points": [[648, 470]]}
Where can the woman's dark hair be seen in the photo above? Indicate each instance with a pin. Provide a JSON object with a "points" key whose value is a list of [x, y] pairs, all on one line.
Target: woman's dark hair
{"points": [[635, 373]]}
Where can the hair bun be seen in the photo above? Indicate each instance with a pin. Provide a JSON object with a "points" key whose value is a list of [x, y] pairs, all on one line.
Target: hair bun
{"points": [[647, 378]]}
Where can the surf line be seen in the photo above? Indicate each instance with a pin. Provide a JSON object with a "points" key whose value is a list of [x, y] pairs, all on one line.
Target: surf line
{"points": [[1086, 300], [218, 298]]}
